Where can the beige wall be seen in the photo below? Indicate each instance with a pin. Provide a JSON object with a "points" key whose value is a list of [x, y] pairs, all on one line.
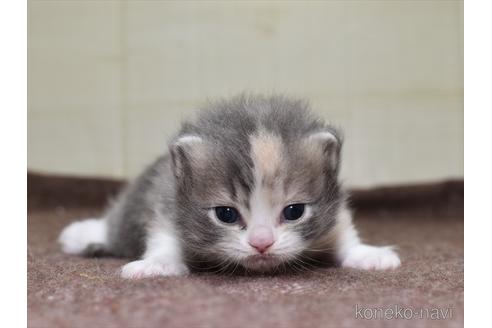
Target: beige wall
{"points": [[110, 81]]}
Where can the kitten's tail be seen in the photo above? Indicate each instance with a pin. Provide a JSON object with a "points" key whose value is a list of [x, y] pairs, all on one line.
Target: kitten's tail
{"points": [[87, 238]]}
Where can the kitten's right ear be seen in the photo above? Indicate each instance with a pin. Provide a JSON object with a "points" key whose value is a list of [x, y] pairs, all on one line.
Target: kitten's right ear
{"points": [[186, 152], [329, 142]]}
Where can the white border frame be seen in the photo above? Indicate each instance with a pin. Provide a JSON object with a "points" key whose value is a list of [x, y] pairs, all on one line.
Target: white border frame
{"points": [[478, 163], [13, 143]]}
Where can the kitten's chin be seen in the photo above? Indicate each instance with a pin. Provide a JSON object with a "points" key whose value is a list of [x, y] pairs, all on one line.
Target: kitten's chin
{"points": [[261, 262]]}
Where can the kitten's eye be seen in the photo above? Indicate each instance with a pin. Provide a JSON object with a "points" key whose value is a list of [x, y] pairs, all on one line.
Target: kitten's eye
{"points": [[294, 211], [227, 214]]}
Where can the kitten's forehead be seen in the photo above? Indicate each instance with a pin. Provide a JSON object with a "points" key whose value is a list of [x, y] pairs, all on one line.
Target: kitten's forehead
{"points": [[266, 166], [266, 153], [285, 167]]}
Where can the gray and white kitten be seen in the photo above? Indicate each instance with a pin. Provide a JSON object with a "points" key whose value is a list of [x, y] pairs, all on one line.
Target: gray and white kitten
{"points": [[251, 184]]}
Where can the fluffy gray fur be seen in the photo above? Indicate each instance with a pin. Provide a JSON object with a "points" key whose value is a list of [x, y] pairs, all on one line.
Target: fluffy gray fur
{"points": [[173, 188], [259, 155]]}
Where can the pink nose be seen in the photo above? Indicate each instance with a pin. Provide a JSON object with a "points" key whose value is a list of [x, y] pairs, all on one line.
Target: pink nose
{"points": [[261, 238]]}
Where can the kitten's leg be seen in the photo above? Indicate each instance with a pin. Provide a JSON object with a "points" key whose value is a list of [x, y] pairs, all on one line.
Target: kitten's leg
{"points": [[350, 252], [162, 258], [87, 237]]}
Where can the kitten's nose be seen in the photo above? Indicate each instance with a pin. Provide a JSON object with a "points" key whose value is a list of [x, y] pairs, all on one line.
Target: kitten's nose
{"points": [[261, 238]]}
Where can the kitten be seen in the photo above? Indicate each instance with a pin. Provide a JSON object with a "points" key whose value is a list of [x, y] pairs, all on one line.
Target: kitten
{"points": [[252, 183]]}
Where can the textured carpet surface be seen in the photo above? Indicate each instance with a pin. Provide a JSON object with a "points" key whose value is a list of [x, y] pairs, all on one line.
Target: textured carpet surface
{"points": [[68, 291]]}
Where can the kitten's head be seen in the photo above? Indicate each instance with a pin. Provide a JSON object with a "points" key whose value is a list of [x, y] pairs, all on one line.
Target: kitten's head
{"points": [[256, 184]]}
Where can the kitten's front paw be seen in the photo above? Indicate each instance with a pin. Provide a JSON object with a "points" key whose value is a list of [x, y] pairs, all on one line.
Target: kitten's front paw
{"points": [[151, 268], [371, 258]]}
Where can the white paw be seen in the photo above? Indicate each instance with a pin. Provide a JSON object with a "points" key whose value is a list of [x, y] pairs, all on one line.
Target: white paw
{"points": [[371, 258], [78, 235], [151, 268]]}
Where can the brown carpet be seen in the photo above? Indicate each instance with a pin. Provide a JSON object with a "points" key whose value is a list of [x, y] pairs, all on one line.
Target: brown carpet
{"points": [[426, 223]]}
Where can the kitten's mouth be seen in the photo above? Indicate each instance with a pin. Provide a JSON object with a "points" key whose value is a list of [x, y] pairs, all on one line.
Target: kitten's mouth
{"points": [[261, 262]]}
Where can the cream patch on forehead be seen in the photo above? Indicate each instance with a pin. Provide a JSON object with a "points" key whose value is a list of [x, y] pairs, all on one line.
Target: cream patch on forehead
{"points": [[266, 152], [265, 199]]}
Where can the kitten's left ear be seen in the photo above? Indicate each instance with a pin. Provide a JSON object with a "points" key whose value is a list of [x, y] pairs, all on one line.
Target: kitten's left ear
{"points": [[329, 141], [187, 152]]}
